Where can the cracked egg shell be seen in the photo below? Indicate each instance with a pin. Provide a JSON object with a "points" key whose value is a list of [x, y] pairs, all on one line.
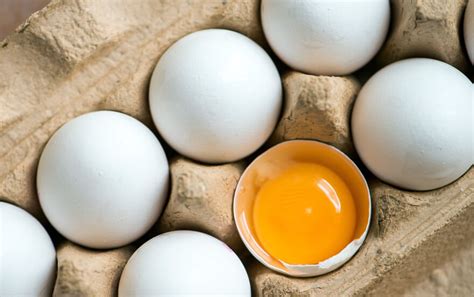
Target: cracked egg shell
{"points": [[295, 171]]}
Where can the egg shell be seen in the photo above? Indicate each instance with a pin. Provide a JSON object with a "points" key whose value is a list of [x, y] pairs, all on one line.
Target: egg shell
{"points": [[469, 29], [215, 96], [102, 179], [412, 124], [268, 166], [182, 263], [325, 37], [27, 254]]}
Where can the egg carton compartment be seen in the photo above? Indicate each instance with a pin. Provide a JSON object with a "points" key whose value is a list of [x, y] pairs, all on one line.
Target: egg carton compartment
{"points": [[73, 57]]}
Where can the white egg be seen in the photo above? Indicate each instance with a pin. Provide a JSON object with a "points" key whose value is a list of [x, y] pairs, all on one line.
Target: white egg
{"points": [[27, 254], [184, 263], [325, 37], [412, 124], [215, 96], [102, 179], [469, 29]]}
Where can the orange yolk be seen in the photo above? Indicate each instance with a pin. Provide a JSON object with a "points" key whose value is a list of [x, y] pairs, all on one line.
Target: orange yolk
{"points": [[305, 215]]}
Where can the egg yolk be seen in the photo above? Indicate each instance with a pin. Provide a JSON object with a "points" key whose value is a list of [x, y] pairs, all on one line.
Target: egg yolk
{"points": [[305, 215]]}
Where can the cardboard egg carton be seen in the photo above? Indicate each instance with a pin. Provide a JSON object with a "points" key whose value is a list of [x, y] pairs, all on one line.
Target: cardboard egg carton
{"points": [[74, 57]]}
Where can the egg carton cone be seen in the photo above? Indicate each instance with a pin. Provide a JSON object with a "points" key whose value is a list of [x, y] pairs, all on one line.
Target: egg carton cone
{"points": [[74, 57]]}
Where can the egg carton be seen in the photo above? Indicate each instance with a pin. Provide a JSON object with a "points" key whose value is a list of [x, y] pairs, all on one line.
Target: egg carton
{"points": [[73, 57]]}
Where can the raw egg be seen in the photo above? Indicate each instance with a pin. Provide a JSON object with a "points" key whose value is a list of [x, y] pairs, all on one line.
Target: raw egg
{"points": [[215, 96], [184, 263], [302, 208], [27, 254], [325, 37], [412, 124], [469, 29], [102, 179]]}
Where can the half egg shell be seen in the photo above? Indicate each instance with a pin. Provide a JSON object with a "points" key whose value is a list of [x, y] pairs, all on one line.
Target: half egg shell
{"points": [[271, 164]]}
